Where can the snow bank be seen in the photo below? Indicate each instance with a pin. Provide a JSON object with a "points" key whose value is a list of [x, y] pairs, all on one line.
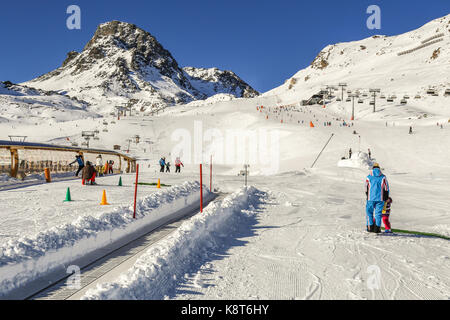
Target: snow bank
{"points": [[154, 272], [26, 259], [358, 160]]}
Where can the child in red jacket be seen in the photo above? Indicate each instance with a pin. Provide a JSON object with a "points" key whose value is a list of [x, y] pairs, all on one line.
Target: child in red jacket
{"points": [[385, 215]]}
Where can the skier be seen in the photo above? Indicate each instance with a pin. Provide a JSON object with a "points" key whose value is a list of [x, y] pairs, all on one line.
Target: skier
{"points": [[410, 130], [162, 163], [377, 192], [350, 153], [370, 154], [168, 167], [79, 160], [88, 174], [385, 214], [178, 165], [99, 165], [111, 163]]}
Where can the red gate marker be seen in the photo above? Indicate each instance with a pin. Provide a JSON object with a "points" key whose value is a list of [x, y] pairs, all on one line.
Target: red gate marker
{"points": [[135, 190], [201, 189]]}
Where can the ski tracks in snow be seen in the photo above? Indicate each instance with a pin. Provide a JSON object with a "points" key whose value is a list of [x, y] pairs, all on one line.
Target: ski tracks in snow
{"points": [[316, 247]]}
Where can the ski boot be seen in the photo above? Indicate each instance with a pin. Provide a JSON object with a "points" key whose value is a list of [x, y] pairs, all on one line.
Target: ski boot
{"points": [[371, 228], [388, 231], [377, 229]]}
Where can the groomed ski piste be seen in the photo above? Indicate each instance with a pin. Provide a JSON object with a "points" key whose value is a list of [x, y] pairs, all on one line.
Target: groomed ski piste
{"points": [[296, 232]]}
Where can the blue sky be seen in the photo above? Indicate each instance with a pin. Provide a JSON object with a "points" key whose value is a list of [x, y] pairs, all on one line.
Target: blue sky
{"points": [[264, 42]]}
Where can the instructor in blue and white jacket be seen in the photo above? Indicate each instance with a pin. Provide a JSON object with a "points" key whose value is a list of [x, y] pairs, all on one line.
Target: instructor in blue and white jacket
{"points": [[377, 192]]}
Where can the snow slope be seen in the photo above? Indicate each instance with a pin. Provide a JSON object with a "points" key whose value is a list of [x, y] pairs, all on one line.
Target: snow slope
{"points": [[27, 105], [374, 63], [301, 236], [306, 238]]}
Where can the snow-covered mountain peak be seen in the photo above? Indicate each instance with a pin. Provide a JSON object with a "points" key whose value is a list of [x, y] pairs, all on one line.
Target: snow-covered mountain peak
{"points": [[123, 63]]}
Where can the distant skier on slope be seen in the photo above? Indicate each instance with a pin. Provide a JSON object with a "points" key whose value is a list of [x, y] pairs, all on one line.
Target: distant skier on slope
{"points": [[377, 192]]}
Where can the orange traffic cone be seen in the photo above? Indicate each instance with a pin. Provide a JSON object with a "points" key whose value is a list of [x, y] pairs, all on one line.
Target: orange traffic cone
{"points": [[159, 184], [311, 124], [104, 202]]}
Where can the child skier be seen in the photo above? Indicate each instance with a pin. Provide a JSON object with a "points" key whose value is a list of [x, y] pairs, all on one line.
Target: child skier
{"points": [[178, 165], [385, 215], [99, 165], [88, 174], [111, 167]]}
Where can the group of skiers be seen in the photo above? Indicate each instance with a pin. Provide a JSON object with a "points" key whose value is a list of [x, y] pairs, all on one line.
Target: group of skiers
{"points": [[89, 171], [291, 114], [378, 205], [166, 165]]}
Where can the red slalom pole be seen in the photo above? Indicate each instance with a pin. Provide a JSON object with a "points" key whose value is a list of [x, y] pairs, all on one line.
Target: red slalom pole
{"points": [[135, 190], [201, 189]]}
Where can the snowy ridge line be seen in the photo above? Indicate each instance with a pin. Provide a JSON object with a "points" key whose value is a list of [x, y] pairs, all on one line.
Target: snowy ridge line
{"points": [[29, 258], [156, 271]]}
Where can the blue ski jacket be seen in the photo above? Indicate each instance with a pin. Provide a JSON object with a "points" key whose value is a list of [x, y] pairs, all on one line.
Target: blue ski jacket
{"points": [[377, 187], [80, 161]]}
